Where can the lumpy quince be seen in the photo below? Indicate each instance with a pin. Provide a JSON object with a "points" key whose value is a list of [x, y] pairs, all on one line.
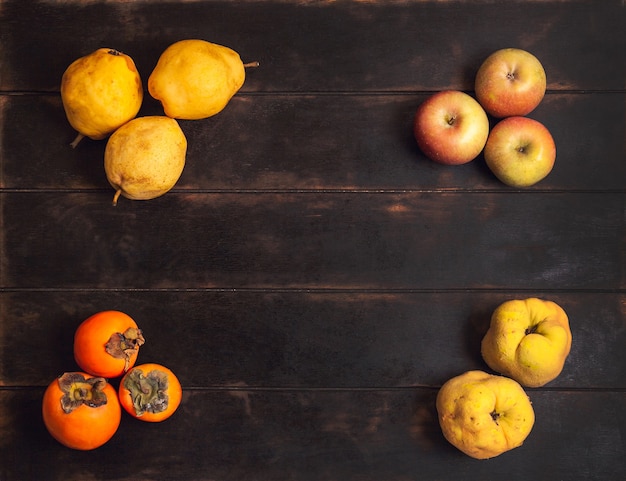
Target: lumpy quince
{"points": [[484, 415], [101, 92], [195, 79], [528, 340]]}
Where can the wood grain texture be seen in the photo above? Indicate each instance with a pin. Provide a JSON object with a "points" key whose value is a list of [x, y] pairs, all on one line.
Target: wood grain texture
{"points": [[312, 278], [305, 339], [313, 142], [316, 240], [325, 46], [311, 435]]}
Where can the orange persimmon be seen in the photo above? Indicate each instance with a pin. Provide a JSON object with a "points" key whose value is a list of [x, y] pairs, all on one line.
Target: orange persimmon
{"points": [[81, 411], [150, 392], [107, 343]]}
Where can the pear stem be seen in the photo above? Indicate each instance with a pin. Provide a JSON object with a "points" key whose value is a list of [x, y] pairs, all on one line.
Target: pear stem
{"points": [[116, 196], [75, 142], [251, 64]]}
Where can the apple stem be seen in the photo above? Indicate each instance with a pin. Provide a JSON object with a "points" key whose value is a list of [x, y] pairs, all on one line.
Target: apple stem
{"points": [[251, 64]]}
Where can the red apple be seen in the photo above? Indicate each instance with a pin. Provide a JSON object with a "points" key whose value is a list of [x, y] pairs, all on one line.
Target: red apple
{"points": [[451, 127], [520, 151], [510, 82]]}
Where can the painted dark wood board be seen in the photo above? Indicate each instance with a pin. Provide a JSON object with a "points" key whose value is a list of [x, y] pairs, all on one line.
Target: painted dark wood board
{"points": [[313, 279], [305, 339], [313, 46], [291, 142], [312, 435], [316, 240]]}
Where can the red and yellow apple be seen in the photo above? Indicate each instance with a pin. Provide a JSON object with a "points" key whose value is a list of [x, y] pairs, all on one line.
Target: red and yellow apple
{"points": [[520, 151], [484, 415], [510, 82], [451, 127], [528, 340]]}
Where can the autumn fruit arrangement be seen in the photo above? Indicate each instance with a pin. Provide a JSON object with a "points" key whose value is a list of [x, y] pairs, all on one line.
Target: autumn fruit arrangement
{"points": [[102, 94], [82, 409], [527, 343], [452, 127]]}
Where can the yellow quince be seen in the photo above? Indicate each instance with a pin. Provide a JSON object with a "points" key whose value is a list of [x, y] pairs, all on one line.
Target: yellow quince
{"points": [[484, 415], [528, 340]]}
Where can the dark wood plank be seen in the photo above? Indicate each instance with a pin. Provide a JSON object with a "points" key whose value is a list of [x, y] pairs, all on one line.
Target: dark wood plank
{"points": [[318, 435], [305, 339], [313, 46], [314, 142], [315, 240]]}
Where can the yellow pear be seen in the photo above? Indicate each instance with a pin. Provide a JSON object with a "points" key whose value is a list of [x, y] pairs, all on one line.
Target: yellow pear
{"points": [[195, 79], [528, 340], [100, 92], [484, 415], [145, 157]]}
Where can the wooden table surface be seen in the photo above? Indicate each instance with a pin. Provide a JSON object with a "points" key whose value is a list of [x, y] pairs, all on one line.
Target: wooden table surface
{"points": [[312, 278]]}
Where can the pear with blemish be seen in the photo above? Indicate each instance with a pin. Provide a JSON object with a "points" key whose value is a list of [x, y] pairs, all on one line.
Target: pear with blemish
{"points": [[145, 157], [195, 79], [100, 92]]}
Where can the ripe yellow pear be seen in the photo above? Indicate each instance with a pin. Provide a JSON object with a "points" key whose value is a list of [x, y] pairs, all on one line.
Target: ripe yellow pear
{"points": [[145, 157], [484, 415], [100, 92], [195, 79]]}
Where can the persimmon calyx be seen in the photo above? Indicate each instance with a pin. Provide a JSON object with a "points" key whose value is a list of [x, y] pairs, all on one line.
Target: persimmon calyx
{"points": [[148, 391], [78, 391], [124, 345]]}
